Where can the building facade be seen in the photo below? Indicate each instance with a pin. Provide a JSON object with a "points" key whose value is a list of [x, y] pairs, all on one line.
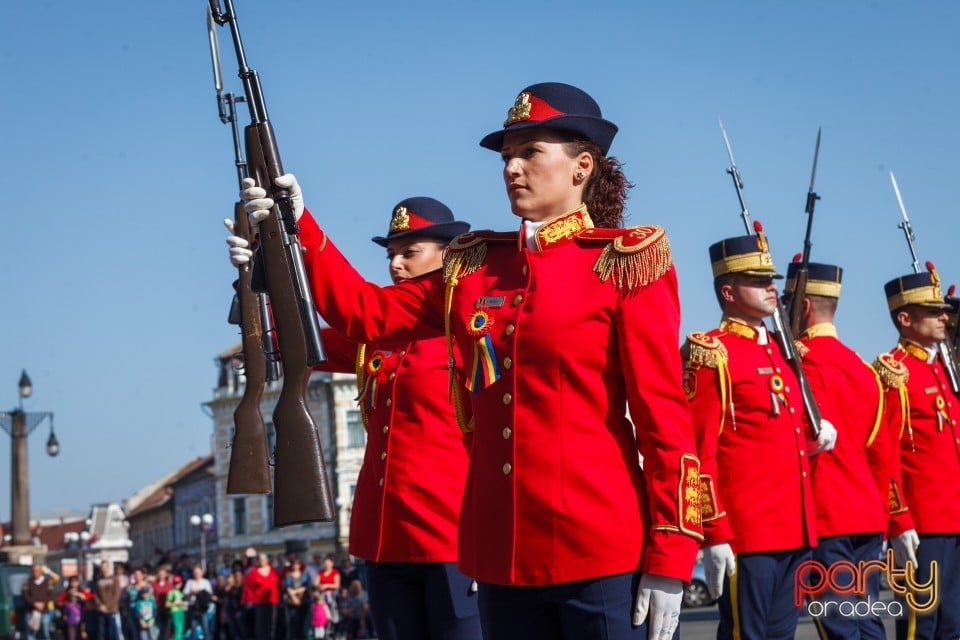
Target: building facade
{"points": [[246, 520], [194, 497], [153, 513]]}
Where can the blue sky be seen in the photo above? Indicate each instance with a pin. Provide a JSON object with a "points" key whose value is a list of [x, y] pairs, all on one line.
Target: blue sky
{"points": [[117, 172]]}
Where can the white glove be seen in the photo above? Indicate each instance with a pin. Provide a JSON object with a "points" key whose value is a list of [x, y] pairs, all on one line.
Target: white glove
{"points": [[717, 560], [905, 547], [827, 438], [258, 205], [240, 252], [658, 602]]}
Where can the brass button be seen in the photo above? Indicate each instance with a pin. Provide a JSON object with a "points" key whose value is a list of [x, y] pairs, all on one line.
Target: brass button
{"points": [[507, 398], [802, 453], [510, 329], [383, 456], [386, 428], [524, 270], [791, 408], [786, 389], [507, 362], [804, 474], [393, 375], [389, 402], [507, 468], [381, 482], [506, 433], [517, 299], [403, 353]]}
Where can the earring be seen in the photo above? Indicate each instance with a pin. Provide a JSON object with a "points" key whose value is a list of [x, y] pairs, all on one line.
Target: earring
{"points": [[579, 175]]}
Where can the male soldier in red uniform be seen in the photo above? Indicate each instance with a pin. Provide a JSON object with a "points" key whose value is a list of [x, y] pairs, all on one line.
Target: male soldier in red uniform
{"points": [[850, 483], [922, 414], [561, 326], [752, 439]]}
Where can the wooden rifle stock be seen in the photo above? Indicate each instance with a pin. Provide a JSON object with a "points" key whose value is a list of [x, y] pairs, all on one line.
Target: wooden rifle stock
{"points": [[249, 459], [796, 301], [302, 491]]}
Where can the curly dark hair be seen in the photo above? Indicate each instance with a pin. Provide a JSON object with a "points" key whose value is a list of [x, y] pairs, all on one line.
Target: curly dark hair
{"points": [[606, 191]]}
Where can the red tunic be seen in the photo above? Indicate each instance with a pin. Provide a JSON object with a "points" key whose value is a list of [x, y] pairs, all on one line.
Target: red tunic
{"points": [[260, 589], [410, 486], [925, 426], [849, 482], [554, 490], [752, 442]]}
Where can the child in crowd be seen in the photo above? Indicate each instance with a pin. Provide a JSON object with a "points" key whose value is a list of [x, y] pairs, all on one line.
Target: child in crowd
{"points": [[319, 615], [177, 606], [146, 611], [71, 608]]}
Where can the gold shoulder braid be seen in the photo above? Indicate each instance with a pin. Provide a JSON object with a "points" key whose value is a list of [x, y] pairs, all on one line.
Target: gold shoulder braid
{"points": [[634, 258], [463, 256], [703, 350], [893, 373]]}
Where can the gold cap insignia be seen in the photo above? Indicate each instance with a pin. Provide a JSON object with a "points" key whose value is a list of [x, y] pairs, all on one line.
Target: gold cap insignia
{"points": [[400, 220], [519, 111]]}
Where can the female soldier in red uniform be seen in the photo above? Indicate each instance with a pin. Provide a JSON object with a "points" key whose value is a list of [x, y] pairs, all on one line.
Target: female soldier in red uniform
{"points": [[407, 500], [562, 327]]}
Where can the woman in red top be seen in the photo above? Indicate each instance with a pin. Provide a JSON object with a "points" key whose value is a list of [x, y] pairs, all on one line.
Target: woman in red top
{"points": [[261, 588]]}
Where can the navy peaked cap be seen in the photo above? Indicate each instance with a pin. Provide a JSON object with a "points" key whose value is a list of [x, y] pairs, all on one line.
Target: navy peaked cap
{"points": [[422, 217], [554, 105], [748, 255]]}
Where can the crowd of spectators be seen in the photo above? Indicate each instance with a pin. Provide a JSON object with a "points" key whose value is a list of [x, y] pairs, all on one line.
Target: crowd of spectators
{"points": [[256, 597]]}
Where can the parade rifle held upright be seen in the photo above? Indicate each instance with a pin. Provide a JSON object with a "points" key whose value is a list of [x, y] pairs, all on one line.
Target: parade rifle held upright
{"points": [[249, 470], [944, 348], [782, 330], [301, 487], [800, 281]]}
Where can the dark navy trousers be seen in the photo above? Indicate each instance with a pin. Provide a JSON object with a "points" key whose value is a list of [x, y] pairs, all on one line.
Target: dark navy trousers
{"points": [[598, 609], [422, 600], [757, 602], [854, 549], [943, 623]]}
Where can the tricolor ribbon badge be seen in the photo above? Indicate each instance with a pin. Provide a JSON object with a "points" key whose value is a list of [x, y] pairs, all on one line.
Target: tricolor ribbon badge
{"points": [[942, 416], [484, 370], [777, 397], [373, 370]]}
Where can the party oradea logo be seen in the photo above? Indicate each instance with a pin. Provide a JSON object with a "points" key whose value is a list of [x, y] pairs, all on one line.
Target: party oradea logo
{"points": [[823, 587]]}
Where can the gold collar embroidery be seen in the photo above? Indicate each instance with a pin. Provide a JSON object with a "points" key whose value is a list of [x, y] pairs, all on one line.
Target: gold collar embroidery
{"points": [[915, 350], [827, 329], [739, 328], [563, 227]]}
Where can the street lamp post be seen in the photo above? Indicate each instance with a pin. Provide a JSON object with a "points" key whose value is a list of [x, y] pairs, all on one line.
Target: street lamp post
{"points": [[19, 424], [205, 522], [79, 541]]}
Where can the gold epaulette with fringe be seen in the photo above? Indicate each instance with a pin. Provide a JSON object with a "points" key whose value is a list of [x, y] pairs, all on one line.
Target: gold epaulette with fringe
{"points": [[893, 373], [634, 257], [466, 252], [703, 350]]}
